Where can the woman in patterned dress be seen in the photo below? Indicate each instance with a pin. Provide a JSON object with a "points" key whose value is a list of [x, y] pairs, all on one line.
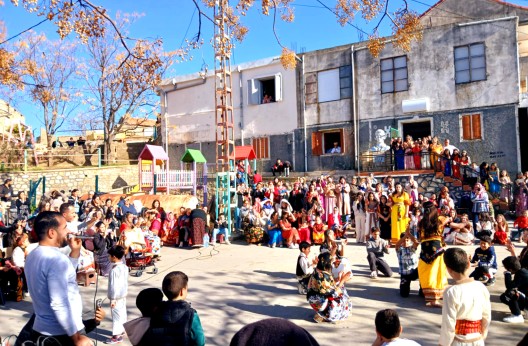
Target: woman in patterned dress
{"points": [[327, 297]]}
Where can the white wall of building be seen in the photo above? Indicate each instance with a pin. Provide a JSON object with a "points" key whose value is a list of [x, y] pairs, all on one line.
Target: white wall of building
{"points": [[190, 106]]}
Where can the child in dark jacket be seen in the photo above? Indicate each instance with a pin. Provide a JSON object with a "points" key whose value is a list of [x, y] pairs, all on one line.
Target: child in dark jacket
{"points": [[485, 262], [516, 280], [175, 322]]}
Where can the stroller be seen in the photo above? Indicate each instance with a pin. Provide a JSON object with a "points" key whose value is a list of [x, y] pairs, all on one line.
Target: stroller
{"points": [[140, 258]]}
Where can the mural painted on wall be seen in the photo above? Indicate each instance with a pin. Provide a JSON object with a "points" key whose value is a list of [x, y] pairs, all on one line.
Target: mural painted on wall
{"points": [[380, 136]]}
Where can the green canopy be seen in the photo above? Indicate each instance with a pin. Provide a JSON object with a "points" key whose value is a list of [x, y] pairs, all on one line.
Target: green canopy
{"points": [[193, 155]]}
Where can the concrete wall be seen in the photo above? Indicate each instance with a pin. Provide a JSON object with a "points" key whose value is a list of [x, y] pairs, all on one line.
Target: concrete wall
{"points": [[456, 11], [325, 162], [110, 178], [190, 106], [431, 72], [325, 112]]}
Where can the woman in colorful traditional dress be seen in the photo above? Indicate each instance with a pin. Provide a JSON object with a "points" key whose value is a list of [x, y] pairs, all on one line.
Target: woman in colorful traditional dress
{"points": [[327, 297], [521, 195], [431, 268], [399, 202]]}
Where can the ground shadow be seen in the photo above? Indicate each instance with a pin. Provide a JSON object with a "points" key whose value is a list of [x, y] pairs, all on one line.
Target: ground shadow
{"points": [[280, 275], [264, 288], [289, 312]]}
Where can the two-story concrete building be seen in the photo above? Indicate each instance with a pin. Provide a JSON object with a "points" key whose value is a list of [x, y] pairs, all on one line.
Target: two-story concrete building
{"points": [[464, 81], [265, 111]]}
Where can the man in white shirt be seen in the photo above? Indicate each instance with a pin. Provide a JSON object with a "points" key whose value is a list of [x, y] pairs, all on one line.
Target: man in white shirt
{"points": [[449, 146], [51, 279]]}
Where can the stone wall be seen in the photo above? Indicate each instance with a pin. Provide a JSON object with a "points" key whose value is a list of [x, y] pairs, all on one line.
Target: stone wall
{"points": [[110, 178]]}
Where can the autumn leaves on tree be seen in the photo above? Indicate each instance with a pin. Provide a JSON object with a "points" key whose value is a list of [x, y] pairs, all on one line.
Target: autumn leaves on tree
{"points": [[122, 73]]}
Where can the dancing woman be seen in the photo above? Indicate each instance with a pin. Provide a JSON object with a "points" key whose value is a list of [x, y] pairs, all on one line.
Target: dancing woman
{"points": [[431, 268]]}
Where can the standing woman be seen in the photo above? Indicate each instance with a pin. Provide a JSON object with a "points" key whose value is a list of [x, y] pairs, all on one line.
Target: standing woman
{"points": [[330, 197], [343, 197], [426, 156], [480, 200], [399, 202], [103, 241], [431, 268], [436, 149], [494, 173], [409, 158], [371, 209], [417, 150], [360, 216], [384, 217]]}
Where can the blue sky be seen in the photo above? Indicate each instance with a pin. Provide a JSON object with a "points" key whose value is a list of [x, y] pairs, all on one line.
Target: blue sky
{"points": [[174, 20]]}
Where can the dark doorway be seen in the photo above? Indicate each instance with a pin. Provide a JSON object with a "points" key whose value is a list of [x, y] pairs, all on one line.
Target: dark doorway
{"points": [[523, 140], [419, 129]]}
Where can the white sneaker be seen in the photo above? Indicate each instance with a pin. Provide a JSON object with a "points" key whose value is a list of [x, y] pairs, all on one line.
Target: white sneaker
{"points": [[374, 275], [295, 246], [290, 246], [513, 319]]}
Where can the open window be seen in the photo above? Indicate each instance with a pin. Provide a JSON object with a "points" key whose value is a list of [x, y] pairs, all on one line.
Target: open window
{"points": [[328, 142], [265, 89]]}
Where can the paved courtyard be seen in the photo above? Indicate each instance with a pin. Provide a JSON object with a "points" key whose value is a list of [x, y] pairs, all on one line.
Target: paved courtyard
{"points": [[233, 285]]}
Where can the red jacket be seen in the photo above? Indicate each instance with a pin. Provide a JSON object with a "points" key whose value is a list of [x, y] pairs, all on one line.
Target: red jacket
{"points": [[331, 220], [521, 222]]}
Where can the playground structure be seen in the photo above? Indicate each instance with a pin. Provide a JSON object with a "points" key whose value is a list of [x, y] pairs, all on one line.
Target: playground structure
{"points": [[155, 175], [246, 153]]}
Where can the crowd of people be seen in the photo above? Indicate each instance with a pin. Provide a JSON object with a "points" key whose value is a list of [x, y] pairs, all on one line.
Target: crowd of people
{"points": [[386, 216]]}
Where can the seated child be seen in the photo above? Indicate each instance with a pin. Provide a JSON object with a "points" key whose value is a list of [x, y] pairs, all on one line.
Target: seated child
{"points": [[376, 248], [220, 227], [522, 224], [305, 230], [463, 231], [516, 289], [485, 262], [408, 260], [502, 231], [389, 329], [484, 226], [175, 322], [318, 230], [305, 267], [147, 301], [335, 223], [466, 306]]}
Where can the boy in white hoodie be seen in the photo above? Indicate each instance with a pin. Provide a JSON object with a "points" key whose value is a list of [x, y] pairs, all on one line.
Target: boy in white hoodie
{"points": [[117, 292]]}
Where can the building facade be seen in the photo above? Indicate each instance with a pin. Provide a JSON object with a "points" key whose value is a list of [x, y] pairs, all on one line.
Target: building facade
{"points": [[464, 81]]}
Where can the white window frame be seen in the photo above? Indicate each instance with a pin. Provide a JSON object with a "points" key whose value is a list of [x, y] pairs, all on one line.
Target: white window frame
{"points": [[328, 85], [255, 92]]}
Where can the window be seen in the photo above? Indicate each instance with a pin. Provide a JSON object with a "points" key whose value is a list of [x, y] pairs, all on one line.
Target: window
{"points": [[471, 127], [334, 84], [470, 63], [261, 147], [265, 90], [394, 74], [328, 142]]}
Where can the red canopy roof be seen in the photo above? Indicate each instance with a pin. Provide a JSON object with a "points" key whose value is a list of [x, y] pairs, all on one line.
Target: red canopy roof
{"points": [[153, 152], [243, 152]]}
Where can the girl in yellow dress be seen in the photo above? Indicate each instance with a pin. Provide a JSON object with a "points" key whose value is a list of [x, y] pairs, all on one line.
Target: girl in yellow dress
{"points": [[399, 202]]}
